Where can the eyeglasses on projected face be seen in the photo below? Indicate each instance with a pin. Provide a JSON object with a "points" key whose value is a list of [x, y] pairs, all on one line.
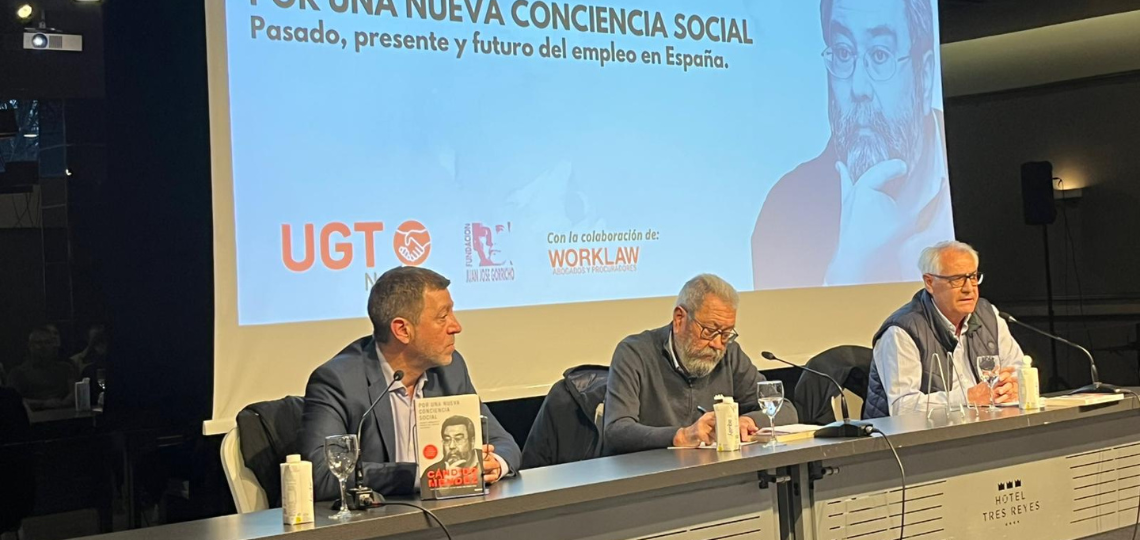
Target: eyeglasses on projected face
{"points": [[959, 281], [880, 62]]}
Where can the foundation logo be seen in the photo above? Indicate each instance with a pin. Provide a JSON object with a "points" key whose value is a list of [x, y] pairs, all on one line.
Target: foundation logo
{"points": [[412, 243], [487, 253]]}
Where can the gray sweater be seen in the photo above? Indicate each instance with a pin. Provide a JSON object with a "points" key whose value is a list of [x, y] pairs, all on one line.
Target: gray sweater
{"points": [[648, 399]]}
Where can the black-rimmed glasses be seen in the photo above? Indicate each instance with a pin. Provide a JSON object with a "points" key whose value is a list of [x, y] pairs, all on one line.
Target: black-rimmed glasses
{"points": [[726, 335], [959, 281]]}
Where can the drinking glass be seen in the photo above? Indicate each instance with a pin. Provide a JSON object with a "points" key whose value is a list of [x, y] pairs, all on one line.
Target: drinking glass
{"points": [[771, 395], [101, 382], [341, 452], [989, 367]]}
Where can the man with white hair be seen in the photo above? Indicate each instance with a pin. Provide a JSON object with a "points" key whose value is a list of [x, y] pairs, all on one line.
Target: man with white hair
{"points": [[948, 318], [661, 379]]}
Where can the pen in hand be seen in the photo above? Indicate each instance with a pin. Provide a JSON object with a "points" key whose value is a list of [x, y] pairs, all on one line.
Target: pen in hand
{"points": [[702, 409]]}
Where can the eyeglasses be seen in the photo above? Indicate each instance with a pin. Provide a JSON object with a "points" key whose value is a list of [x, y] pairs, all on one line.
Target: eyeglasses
{"points": [[881, 62], [727, 335], [959, 280]]}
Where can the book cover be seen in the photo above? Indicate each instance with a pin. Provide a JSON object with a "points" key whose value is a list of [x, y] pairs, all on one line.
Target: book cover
{"points": [[788, 432], [1080, 400], [449, 446]]}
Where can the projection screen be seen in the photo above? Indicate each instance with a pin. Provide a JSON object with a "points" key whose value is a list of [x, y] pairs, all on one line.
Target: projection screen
{"points": [[568, 166]]}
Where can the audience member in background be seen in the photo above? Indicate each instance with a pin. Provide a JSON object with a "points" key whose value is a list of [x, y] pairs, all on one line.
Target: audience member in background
{"points": [[96, 350], [659, 377], [948, 317], [413, 331], [43, 380]]}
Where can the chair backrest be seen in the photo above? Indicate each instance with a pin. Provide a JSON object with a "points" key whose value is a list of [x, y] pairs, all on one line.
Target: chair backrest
{"points": [[269, 432], [813, 395], [247, 492], [568, 427]]}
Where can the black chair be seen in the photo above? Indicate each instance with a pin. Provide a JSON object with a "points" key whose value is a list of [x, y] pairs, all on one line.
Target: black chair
{"points": [[568, 426], [269, 431], [848, 364]]}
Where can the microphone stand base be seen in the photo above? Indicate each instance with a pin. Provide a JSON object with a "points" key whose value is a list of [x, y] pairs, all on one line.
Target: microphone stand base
{"points": [[1097, 388], [363, 498], [845, 430]]}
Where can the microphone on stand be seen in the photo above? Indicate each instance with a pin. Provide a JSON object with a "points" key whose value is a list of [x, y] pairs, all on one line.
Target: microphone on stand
{"points": [[1095, 387], [840, 429], [361, 496]]}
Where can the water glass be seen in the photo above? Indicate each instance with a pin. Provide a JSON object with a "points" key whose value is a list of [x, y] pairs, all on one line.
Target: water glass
{"points": [[341, 452]]}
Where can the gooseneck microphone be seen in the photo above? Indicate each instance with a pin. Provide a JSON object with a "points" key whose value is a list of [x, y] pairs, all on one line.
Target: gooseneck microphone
{"points": [[360, 492], [1095, 387], [840, 429]]}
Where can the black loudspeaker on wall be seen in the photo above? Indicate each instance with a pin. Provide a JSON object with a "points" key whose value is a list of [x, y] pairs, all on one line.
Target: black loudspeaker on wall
{"points": [[1037, 193]]}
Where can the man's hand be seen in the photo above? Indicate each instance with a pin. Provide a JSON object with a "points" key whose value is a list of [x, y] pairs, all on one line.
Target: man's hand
{"points": [[1006, 390], [979, 394], [702, 431], [748, 428], [492, 472], [870, 220]]}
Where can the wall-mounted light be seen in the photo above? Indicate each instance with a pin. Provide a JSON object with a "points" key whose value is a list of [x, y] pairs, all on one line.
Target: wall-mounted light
{"points": [[25, 13], [1061, 192]]}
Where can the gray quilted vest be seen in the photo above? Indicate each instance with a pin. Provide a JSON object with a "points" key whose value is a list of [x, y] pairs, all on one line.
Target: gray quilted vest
{"points": [[919, 320]]}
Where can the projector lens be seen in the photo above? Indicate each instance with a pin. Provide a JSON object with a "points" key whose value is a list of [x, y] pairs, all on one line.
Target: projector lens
{"points": [[39, 41]]}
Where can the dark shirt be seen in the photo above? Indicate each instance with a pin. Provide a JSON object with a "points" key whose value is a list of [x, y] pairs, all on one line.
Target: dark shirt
{"points": [[41, 380], [648, 399]]}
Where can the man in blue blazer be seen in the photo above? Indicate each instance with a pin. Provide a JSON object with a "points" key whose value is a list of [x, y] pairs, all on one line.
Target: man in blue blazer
{"points": [[414, 328]]}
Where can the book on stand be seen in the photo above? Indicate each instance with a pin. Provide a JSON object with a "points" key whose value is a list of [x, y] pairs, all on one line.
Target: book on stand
{"points": [[449, 446]]}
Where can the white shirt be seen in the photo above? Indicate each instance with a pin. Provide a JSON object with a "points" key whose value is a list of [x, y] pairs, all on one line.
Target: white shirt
{"points": [[900, 370], [404, 418], [403, 412]]}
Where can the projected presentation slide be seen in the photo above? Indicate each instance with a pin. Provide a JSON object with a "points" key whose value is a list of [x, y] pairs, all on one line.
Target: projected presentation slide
{"points": [[539, 152]]}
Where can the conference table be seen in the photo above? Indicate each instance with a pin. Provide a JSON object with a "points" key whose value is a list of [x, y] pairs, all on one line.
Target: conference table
{"points": [[1050, 474]]}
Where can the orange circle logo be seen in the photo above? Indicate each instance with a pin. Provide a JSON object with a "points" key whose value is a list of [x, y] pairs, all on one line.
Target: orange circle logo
{"points": [[430, 451], [412, 243]]}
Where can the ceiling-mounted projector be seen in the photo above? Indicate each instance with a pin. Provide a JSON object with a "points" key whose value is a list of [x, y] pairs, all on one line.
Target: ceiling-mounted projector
{"points": [[52, 41]]}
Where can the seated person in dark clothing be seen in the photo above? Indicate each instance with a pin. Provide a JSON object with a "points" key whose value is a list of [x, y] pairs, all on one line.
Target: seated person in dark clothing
{"points": [[660, 377], [96, 350], [43, 380], [414, 327]]}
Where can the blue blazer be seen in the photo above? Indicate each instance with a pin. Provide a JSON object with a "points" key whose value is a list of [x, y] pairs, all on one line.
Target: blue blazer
{"points": [[338, 393]]}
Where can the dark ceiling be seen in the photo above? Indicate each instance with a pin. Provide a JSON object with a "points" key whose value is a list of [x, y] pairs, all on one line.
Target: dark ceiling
{"points": [[969, 19]]}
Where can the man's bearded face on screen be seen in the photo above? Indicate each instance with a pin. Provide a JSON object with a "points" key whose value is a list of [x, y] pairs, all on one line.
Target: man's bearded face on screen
{"points": [[874, 117]]}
